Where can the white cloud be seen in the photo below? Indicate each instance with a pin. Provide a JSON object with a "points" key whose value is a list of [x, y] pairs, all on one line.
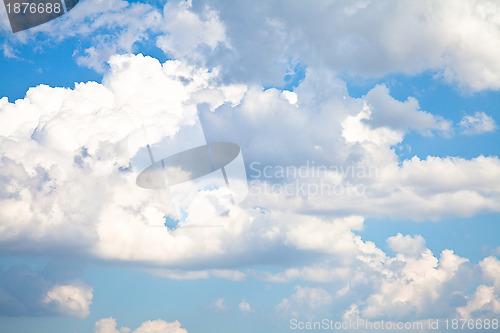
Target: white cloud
{"points": [[490, 268], [54, 290], [387, 111], [244, 306], [354, 130], [329, 236], [65, 156], [366, 38], [479, 123], [108, 325], [229, 274], [65, 153], [186, 31], [71, 300], [107, 28], [174, 274], [388, 288], [484, 299], [456, 40], [310, 298], [407, 245], [413, 286], [154, 326], [218, 305]]}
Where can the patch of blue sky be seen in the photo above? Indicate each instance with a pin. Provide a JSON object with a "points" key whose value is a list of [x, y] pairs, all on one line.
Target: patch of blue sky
{"points": [[294, 76], [33, 262], [53, 65], [295, 73], [41, 324], [189, 301]]}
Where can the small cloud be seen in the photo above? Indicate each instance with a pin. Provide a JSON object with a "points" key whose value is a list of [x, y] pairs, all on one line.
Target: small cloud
{"points": [[229, 274], [306, 297], [290, 96], [483, 299], [8, 51], [108, 325], [479, 123], [71, 300], [244, 306], [218, 305], [407, 245], [152, 326]]}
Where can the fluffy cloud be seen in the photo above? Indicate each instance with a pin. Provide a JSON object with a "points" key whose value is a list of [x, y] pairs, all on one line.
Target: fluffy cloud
{"points": [[70, 149], [67, 153], [478, 123], [69, 157], [407, 245], [413, 284], [51, 291], [483, 300], [70, 300], [244, 306], [310, 298], [119, 26], [159, 325], [389, 112], [186, 31], [218, 305], [410, 38], [108, 325]]}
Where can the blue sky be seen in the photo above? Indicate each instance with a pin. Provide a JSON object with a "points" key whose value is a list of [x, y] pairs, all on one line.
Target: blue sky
{"points": [[362, 85]]}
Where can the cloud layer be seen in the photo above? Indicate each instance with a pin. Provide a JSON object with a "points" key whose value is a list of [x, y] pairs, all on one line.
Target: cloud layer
{"points": [[319, 162]]}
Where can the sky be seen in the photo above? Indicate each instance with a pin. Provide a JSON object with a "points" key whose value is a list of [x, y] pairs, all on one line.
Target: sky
{"points": [[365, 189]]}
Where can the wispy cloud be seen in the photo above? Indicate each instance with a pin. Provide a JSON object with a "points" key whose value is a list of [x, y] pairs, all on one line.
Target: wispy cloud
{"points": [[478, 123]]}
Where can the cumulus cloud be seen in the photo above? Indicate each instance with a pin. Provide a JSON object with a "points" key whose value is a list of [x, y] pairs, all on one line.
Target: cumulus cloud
{"points": [[244, 306], [490, 268], [407, 245], [478, 123], [186, 31], [70, 156], [71, 150], [411, 39], [51, 291], [412, 284], [483, 300], [218, 305], [70, 300], [415, 287], [159, 325], [119, 27], [305, 299], [72, 153], [389, 112], [108, 325]]}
